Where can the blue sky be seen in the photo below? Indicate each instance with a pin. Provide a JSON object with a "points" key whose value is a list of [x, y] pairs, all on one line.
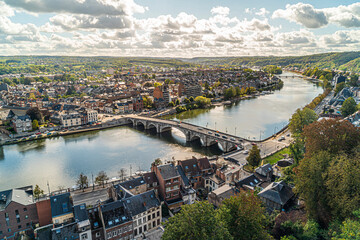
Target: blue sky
{"points": [[174, 28]]}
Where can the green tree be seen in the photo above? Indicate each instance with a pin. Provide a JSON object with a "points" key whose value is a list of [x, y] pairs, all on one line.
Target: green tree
{"points": [[349, 229], [148, 102], [157, 162], [177, 102], [157, 84], [34, 113], [101, 178], [171, 104], [244, 216], [348, 107], [197, 221], [354, 80], [82, 181], [202, 102], [301, 118], [186, 100], [38, 192], [339, 87], [191, 99], [254, 157], [35, 125], [310, 184]]}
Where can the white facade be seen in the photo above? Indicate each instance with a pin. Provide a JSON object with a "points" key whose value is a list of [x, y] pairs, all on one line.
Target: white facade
{"points": [[92, 116], [146, 221], [70, 119], [22, 124]]}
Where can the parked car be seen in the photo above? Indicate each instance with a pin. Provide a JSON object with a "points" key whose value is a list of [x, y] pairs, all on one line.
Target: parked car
{"points": [[209, 132], [225, 137], [281, 138], [232, 139], [216, 134], [246, 152]]}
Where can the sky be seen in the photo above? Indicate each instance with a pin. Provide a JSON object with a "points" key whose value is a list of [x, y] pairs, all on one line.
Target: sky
{"points": [[178, 28]]}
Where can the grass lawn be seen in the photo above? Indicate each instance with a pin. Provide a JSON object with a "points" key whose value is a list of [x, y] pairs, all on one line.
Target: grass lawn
{"points": [[277, 156]]}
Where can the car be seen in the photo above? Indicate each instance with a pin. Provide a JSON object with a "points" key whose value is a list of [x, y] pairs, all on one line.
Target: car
{"points": [[281, 138], [288, 135], [232, 139], [246, 152], [254, 144], [225, 137], [209, 132], [200, 128], [216, 134]]}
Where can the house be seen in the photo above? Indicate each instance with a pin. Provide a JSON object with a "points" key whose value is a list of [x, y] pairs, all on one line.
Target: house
{"points": [[213, 182], [187, 192], [135, 186], [218, 195], [97, 230], [70, 119], [61, 208], [152, 182], [192, 171], [169, 184], [265, 172], [116, 221], [83, 223], [67, 231], [17, 212], [145, 211], [22, 123], [276, 196]]}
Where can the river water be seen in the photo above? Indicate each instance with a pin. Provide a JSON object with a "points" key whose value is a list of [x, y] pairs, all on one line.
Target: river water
{"points": [[60, 160]]}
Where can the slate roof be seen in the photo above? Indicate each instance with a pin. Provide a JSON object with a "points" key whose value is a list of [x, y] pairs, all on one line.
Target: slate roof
{"points": [[142, 202], [22, 196], [80, 213], [68, 232], [190, 166], [251, 180], [183, 176], [114, 214], [264, 169], [60, 204], [131, 184], [168, 171], [278, 192], [150, 177], [204, 163]]}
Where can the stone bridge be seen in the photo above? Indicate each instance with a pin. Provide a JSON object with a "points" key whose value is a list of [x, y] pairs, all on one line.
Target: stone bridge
{"points": [[207, 137]]}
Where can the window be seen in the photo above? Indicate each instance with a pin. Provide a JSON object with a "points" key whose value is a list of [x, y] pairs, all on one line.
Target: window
{"points": [[16, 212], [153, 215], [140, 230], [158, 222], [0, 232], [145, 228], [144, 220], [154, 224], [9, 229], [115, 233], [109, 235], [25, 209], [139, 221], [158, 213], [27, 224], [149, 217], [84, 236], [97, 234], [135, 232], [19, 227]]}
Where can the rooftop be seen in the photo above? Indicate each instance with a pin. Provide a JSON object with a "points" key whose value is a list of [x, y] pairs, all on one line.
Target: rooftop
{"points": [[60, 204], [168, 171], [22, 196], [141, 202]]}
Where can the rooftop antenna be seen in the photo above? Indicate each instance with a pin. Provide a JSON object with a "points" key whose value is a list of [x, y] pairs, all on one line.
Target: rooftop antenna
{"points": [[48, 187]]}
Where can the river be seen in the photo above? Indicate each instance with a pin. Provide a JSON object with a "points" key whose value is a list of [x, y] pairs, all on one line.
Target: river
{"points": [[60, 160]]}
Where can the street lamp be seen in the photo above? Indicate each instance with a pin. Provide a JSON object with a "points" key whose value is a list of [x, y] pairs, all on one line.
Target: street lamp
{"points": [[260, 134], [215, 126], [235, 131]]}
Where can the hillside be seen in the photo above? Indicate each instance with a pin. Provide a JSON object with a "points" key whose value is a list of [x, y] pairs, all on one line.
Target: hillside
{"points": [[343, 61]]}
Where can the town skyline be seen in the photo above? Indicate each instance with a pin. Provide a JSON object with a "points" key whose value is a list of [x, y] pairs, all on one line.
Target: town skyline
{"points": [[178, 30]]}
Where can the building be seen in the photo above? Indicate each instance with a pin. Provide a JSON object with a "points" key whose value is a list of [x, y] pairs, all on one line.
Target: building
{"points": [[97, 230], [135, 186], [116, 221], [22, 123], [161, 96], [61, 209], [83, 223], [145, 211], [152, 182], [17, 212], [169, 184], [189, 89], [192, 171], [88, 116], [220, 194], [276, 196], [70, 119]]}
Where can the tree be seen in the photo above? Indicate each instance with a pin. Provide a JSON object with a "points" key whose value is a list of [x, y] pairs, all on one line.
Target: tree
{"points": [[101, 178], [343, 182], [331, 135], [171, 104], [35, 125], [301, 118], [82, 181], [186, 100], [310, 184], [122, 173], [191, 99], [354, 80], [38, 192], [197, 221], [348, 107], [34, 113], [339, 87], [157, 84], [157, 162], [177, 102], [254, 157], [244, 216], [148, 102], [202, 102]]}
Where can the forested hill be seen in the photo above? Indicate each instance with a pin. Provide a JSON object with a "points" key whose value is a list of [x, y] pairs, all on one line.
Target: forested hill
{"points": [[348, 61]]}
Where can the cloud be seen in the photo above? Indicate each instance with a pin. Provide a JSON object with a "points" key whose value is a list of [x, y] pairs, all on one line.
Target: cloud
{"points": [[90, 7], [262, 12], [304, 14], [220, 11], [5, 10], [346, 16], [76, 22], [341, 38]]}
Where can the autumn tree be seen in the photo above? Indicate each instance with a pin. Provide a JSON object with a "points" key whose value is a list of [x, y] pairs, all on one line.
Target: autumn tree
{"points": [[148, 102], [254, 157], [244, 216], [122, 173], [101, 178], [301, 118], [34, 113], [339, 87], [35, 124], [331, 135], [38, 192], [196, 221], [157, 162], [82, 181], [348, 107]]}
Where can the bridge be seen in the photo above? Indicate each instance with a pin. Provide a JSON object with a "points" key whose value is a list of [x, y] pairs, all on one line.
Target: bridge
{"points": [[207, 137]]}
